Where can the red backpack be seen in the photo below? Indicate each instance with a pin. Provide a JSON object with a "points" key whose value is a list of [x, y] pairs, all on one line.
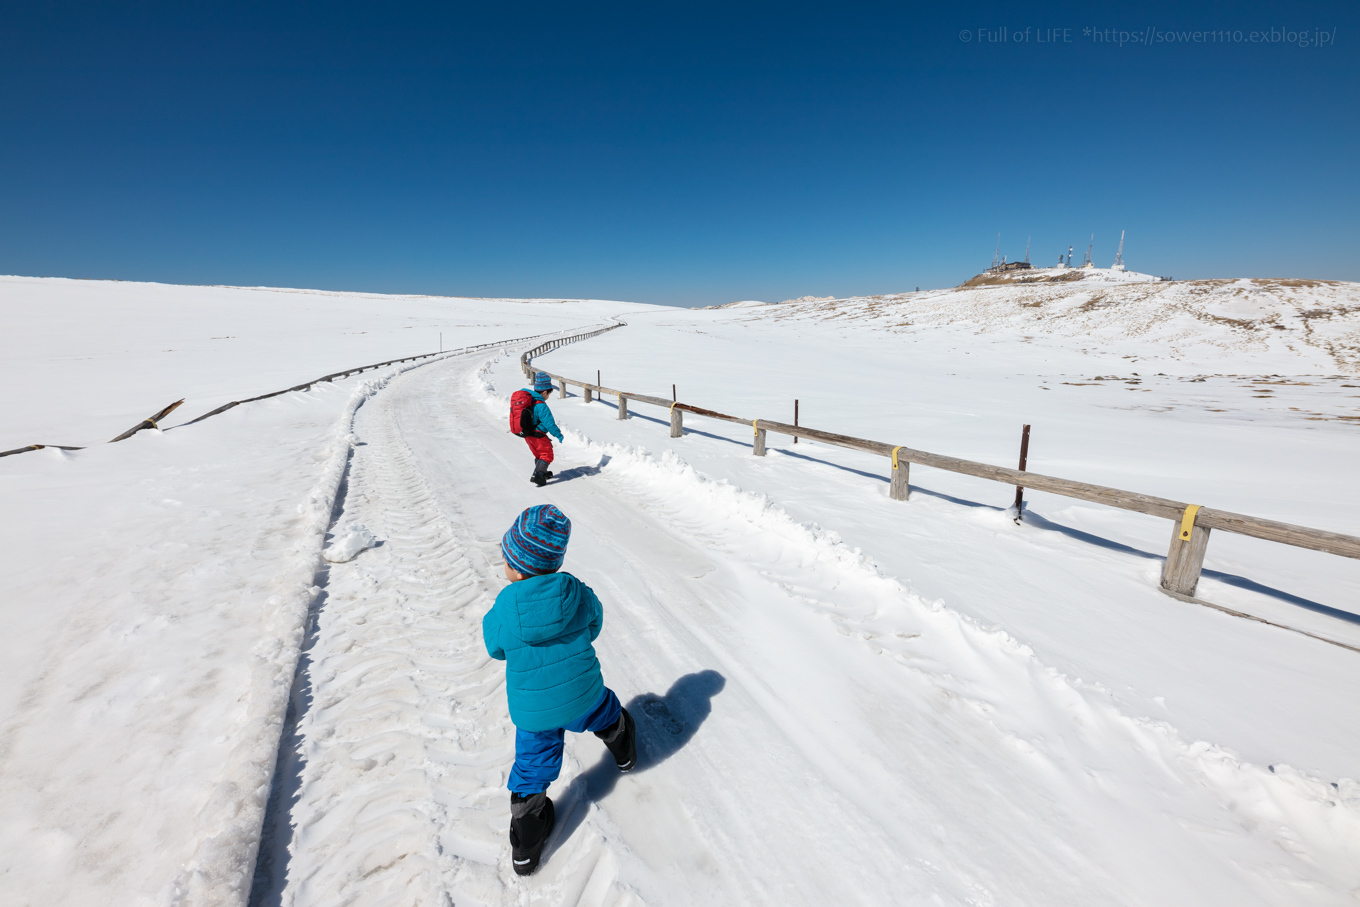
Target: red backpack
{"points": [[522, 405]]}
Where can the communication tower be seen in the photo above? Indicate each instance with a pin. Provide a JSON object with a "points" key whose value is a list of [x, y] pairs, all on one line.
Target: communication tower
{"points": [[1119, 256]]}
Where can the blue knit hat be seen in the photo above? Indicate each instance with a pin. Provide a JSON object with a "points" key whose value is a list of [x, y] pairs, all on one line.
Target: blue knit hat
{"points": [[542, 382], [537, 542]]}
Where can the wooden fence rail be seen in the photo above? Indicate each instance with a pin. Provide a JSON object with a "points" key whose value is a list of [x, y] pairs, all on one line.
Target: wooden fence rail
{"points": [[1191, 523], [153, 421]]}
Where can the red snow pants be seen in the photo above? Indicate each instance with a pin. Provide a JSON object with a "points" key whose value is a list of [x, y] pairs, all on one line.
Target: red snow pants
{"points": [[541, 447]]}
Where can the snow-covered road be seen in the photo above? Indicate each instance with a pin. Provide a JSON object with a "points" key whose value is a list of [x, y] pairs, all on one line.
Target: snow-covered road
{"points": [[811, 730]]}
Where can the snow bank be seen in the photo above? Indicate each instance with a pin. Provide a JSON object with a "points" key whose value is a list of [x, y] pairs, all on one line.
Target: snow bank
{"points": [[1313, 819], [221, 868]]}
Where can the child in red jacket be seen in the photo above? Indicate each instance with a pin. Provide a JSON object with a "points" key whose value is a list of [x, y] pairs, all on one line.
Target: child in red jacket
{"points": [[531, 419]]}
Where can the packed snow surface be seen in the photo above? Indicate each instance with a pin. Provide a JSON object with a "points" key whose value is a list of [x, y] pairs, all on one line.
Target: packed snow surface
{"points": [[840, 697]]}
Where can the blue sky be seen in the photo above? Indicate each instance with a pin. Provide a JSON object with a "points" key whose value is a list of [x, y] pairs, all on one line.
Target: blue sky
{"points": [[686, 154]]}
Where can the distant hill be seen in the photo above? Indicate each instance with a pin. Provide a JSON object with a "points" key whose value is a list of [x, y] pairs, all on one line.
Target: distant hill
{"points": [[1218, 325]]}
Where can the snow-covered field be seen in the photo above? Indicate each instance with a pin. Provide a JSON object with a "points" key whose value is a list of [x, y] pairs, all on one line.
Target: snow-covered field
{"points": [[840, 697]]}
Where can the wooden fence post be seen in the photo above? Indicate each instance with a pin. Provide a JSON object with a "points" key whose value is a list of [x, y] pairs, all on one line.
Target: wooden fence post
{"points": [[586, 388], [1185, 559], [563, 385], [623, 407], [758, 446], [900, 487], [677, 422]]}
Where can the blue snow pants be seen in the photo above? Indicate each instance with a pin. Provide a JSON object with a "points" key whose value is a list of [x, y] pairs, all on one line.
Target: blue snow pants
{"points": [[538, 754]]}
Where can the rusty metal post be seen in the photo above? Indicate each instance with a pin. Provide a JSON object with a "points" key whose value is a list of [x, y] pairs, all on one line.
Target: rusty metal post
{"points": [[1019, 489], [795, 419]]}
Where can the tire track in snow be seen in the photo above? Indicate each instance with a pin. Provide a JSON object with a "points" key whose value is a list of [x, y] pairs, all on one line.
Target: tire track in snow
{"points": [[401, 796], [393, 750]]}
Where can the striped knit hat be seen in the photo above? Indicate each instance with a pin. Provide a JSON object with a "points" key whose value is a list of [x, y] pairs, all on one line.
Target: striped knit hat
{"points": [[537, 542], [542, 382]]}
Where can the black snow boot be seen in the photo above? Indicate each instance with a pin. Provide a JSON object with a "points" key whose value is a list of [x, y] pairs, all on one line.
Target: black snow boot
{"points": [[531, 821], [621, 738], [541, 474]]}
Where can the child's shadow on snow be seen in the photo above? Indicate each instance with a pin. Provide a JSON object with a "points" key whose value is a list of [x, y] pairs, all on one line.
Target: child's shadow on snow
{"points": [[664, 725], [577, 472]]}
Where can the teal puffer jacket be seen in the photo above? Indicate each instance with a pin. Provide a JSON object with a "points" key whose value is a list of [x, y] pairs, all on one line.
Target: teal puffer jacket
{"points": [[543, 627]]}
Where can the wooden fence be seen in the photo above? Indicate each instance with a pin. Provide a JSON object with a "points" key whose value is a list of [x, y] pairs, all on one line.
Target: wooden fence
{"points": [[1190, 523], [153, 421]]}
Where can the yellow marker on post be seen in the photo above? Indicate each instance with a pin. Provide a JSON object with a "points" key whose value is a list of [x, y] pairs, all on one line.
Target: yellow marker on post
{"points": [[755, 426], [1188, 521], [895, 450]]}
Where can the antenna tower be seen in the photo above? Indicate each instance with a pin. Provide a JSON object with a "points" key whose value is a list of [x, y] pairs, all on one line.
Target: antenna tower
{"points": [[1069, 257], [1119, 256], [1027, 250], [1086, 262], [996, 256]]}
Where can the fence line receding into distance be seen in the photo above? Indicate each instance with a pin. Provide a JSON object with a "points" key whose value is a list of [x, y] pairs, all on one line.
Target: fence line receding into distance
{"points": [[1190, 523], [154, 420]]}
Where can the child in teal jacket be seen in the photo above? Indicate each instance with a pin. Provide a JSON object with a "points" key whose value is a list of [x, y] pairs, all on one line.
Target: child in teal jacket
{"points": [[543, 625]]}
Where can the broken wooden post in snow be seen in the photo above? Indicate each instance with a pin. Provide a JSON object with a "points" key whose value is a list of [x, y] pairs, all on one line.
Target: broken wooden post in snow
{"points": [[899, 488], [148, 422], [623, 407], [758, 446], [1185, 559]]}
